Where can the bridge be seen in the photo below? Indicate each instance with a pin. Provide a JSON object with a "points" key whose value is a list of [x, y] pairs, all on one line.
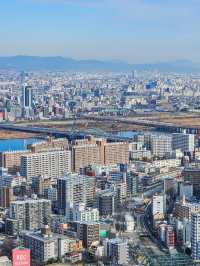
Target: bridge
{"points": [[159, 126], [76, 134]]}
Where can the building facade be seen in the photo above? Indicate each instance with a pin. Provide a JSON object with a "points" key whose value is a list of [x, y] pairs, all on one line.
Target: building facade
{"points": [[74, 189], [51, 164], [29, 214], [184, 142], [195, 235]]}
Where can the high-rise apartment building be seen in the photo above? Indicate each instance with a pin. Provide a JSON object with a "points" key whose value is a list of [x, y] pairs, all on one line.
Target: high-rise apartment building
{"points": [[116, 250], [74, 189], [183, 210], [6, 196], [132, 181], [195, 235], [40, 184], [12, 160], [159, 204], [29, 214], [116, 152], [170, 239], [52, 164], [88, 232], [43, 247], [27, 101], [106, 203], [50, 143], [84, 155], [82, 214], [184, 142], [192, 175], [98, 151], [161, 145]]}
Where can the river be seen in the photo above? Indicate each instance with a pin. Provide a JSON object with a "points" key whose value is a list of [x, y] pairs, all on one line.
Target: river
{"points": [[16, 144]]}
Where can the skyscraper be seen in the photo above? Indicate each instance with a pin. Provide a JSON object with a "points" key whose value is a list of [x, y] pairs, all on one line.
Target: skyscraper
{"points": [[27, 96]]}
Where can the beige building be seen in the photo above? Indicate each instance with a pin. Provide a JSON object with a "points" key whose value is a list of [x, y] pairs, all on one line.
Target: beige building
{"points": [[12, 160], [6, 196], [116, 152], [83, 155], [50, 143], [185, 209], [99, 152]]}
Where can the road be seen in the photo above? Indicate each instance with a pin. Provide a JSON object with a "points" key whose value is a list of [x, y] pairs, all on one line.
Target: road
{"points": [[147, 225]]}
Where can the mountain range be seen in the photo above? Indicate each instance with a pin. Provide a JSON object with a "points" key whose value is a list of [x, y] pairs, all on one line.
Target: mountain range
{"points": [[57, 63]]}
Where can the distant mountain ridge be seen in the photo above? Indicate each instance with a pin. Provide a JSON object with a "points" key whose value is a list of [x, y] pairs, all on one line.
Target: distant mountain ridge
{"points": [[58, 63]]}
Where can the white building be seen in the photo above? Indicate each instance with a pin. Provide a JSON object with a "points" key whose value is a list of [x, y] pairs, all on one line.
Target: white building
{"points": [[4, 261], [53, 164], [136, 146], [161, 145], [45, 245], [140, 154], [29, 214], [74, 189], [129, 223], [195, 235], [82, 214], [184, 142], [159, 204]]}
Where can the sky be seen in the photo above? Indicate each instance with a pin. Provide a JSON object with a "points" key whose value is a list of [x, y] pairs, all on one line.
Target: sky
{"points": [[135, 31]]}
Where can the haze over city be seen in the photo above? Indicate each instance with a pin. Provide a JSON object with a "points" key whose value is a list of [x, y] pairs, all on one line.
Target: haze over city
{"points": [[136, 31]]}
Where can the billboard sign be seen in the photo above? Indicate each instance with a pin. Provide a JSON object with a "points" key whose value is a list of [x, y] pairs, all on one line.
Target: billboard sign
{"points": [[21, 257]]}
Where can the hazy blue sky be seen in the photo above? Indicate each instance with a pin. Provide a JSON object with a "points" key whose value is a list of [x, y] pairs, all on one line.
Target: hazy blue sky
{"points": [[129, 30]]}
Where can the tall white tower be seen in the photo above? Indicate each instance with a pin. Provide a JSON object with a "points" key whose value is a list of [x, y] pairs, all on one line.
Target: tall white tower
{"points": [[195, 235]]}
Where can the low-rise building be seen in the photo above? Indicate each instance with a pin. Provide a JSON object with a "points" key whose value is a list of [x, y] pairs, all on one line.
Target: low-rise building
{"points": [[82, 214], [45, 245]]}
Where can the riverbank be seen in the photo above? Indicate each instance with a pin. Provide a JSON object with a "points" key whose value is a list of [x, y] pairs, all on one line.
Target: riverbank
{"points": [[7, 134]]}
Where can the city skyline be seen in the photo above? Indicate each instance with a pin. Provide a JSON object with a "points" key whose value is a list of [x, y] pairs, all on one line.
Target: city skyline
{"points": [[99, 132], [133, 31]]}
